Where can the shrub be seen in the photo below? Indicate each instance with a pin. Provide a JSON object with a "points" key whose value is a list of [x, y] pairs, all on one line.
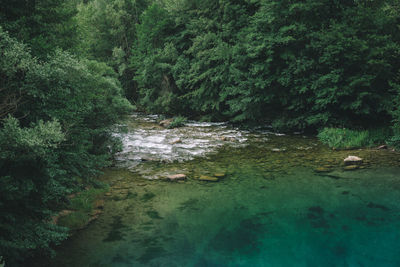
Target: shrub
{"points": [[177, 122], [347, 139]]}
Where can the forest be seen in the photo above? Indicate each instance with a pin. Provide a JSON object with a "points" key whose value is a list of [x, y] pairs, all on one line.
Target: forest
{"points": [[70, 69]]}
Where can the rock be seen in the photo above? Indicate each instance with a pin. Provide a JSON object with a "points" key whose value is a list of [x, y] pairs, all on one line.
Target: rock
{"points": [[96, 212], [353, 160], [278, 149], [120, 191], [177, 141], [208, 178], [166, 123], [99, 204], [226, 138], [148, 159], [351, 167], [220, 175], [176, 177], [382, 147]]}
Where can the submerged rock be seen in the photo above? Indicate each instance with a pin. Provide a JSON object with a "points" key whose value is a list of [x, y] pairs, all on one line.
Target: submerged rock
{"points": [[353, 160], [322, 169], [351, 167], [176, 177], [208, 178]]}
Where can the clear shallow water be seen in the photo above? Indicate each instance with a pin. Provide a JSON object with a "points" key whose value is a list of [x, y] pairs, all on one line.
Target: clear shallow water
{"points": [[271, 208]]}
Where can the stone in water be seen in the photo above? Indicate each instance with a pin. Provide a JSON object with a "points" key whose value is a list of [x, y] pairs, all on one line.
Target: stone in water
{"points": [[176, 177], [352, 160], [208, 178]]}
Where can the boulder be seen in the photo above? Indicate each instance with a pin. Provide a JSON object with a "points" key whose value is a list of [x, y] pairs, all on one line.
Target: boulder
{"points": [[176, 177], [382, 147], [177, 141], [165, 123], [353, 160]]}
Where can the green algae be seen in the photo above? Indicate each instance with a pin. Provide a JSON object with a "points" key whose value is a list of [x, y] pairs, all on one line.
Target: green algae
{"points": [[147, 196]]}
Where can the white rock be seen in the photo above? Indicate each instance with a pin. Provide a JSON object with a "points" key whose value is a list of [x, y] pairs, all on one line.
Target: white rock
{"points": [[352, 160], [176, 177]]}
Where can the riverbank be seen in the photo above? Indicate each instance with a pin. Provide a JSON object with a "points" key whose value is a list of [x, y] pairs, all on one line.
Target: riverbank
{"points": [[83, 207]]}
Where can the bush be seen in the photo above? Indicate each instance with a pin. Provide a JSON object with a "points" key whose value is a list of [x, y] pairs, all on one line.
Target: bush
{"points": [[66, 108], [177, 122], [30, 182], [346, 139]]}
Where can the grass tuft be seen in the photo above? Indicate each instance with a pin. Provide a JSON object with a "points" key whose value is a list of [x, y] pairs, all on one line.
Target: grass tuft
{"points": [[348, 139], [82, 205]]}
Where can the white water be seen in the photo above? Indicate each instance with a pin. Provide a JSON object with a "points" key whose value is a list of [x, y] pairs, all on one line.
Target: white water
{"points": [[153, 143]]}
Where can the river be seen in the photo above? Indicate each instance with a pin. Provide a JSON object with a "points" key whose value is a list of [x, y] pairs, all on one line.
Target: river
{"points": [[283, 200]]}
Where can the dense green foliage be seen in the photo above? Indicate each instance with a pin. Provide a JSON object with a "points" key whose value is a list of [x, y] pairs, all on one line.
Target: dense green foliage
{"points": [[66, 65], [296, 64], [43, 24], [56, 124], [106, 29]]}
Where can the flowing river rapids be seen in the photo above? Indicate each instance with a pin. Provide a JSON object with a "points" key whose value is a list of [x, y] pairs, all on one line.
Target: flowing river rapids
{"points": [[281, 200]]}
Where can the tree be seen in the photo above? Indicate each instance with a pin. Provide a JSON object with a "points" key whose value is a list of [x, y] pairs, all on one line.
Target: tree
{"points": [[43, 24], [58, 133], [107, 32]]}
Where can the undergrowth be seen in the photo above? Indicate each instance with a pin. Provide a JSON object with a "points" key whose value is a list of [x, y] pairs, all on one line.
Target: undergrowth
{"points": [[347, 139], [178, 121]]}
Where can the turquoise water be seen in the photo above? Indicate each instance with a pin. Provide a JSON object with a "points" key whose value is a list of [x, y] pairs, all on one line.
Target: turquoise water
{"points": [[271, 209]]}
